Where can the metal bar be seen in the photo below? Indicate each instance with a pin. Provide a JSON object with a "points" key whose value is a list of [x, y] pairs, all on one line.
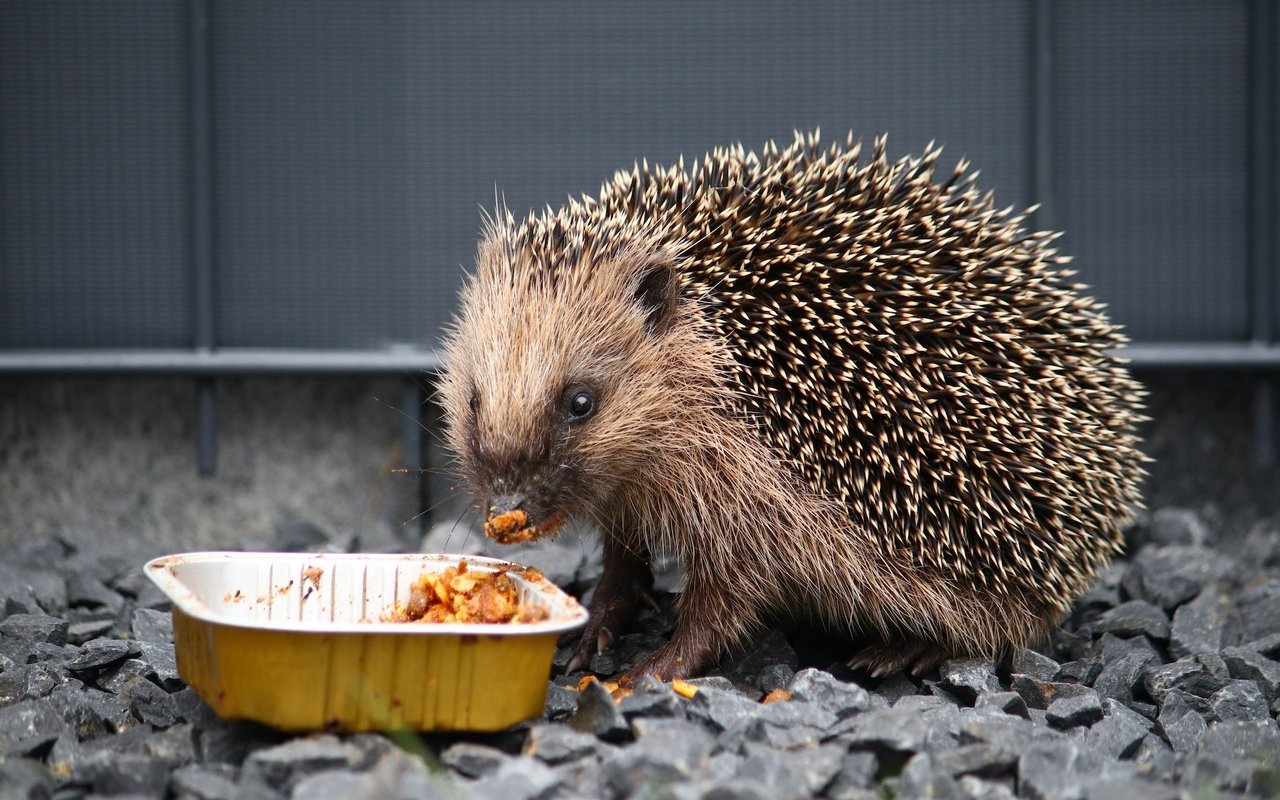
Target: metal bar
{"points": [[1262, 212], [1264, 421], [1240, 356], [221, 362], [411, 413], [1042, 113], [251, 361], [206, 426], [202, 231]]}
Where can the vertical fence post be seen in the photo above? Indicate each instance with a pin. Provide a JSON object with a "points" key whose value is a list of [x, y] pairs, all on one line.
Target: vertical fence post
{"points": [[202, 231], [1042, 113], [1262, 212]]}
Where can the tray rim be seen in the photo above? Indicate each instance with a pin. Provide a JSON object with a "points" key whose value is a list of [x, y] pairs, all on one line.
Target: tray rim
{"points": [[157, 570]]}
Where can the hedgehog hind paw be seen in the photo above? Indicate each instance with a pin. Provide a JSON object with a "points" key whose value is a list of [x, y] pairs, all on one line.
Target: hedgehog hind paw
{"points": [[882, 659]]}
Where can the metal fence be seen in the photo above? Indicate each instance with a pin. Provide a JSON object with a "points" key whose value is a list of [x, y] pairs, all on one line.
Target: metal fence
{"points": [[219, 187]]}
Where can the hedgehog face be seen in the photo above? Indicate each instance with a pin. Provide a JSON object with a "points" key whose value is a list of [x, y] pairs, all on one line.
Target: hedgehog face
{"points": [[554, 370]]}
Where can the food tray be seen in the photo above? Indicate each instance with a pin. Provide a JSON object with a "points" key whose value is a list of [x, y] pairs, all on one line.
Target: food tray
{"points": [[294, 640]]}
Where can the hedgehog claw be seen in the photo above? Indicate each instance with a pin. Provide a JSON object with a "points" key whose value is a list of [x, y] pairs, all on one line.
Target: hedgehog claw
{"points": [[881, 660]]}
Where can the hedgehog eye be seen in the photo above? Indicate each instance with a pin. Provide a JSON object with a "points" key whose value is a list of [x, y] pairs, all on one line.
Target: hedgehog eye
{"points": [[474, 403], [581, 406]]}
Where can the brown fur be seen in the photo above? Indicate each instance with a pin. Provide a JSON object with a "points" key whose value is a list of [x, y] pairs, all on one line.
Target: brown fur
{"points": [[821, 384]]}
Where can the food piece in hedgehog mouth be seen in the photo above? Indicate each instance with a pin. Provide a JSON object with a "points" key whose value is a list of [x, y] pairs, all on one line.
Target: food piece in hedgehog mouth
{"points": [[460, 595], [513, 526]]}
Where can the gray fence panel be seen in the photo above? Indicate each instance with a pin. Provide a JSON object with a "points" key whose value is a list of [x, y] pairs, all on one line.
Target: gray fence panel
{"points": [[356, 145], [1151, 180], [94, 175], [353, 145]]}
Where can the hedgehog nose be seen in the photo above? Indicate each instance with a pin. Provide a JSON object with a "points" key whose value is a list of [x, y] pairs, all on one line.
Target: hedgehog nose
{"points": [[505, 503]]}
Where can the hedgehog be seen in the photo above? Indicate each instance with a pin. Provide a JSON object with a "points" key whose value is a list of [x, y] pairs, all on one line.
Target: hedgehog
{"points": [[830, 387]]}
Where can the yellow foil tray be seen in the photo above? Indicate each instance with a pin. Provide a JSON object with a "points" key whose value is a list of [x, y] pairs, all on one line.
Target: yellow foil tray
{"points": [[294, 641]]}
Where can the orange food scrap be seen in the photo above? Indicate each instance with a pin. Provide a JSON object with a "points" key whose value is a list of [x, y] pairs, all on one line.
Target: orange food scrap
{"points": [[684, 689], [462, 595], [776, 696], [586, 681], [513, 526]]}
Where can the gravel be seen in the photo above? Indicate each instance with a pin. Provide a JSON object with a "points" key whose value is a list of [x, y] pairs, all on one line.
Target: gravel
{"points": [[1163, 682]]}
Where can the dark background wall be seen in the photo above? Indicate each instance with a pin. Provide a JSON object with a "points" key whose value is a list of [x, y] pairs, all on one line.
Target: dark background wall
{"points": [[199, 178]]}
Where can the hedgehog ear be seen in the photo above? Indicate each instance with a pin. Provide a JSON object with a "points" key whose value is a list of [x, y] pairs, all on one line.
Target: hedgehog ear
{"points": [[657, 291]]}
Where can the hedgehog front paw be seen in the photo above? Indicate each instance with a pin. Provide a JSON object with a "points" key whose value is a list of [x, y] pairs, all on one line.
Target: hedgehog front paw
{"points": [[882, 659]]}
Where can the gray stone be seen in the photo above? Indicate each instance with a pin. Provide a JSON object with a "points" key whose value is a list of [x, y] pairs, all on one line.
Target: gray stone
{"points": [[81, 632], [108, 711], [1251, 665], [152, 626], [1120, 732], [652, 699], [1129, 787], [776, 676], [521, 778], [1008, 702], [1084, 671], [1003, 731], [224, 742], [282, 766], [1135, 618], [1170, 576], [1055, 769], [1255, 613], [1183, 732], [1036, 665], [786, 726], [556, 744], [1070, 712], [150, 703], [723, 684], [1198, 625], [25, 779], [976, 759], [1176, 526], [1160, 679], [161, 657], [100, 653], [1268, 645], [111, 773], [598, 715], [857, 771], [895, 687], [472, 760], [794, 773], [88, 592], [1239, 700], [1121, 674], [174, 746], [966, 678], [605, 663], [33, 628], [192, 708], [30, 681], [1205, 775], [114, 678], [975, 788], [1258, 740], [666, 751], [721, 710], [39, 719], [34, 589], [1039, 694], [560, 704], [922, 778], [825, 690]]}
